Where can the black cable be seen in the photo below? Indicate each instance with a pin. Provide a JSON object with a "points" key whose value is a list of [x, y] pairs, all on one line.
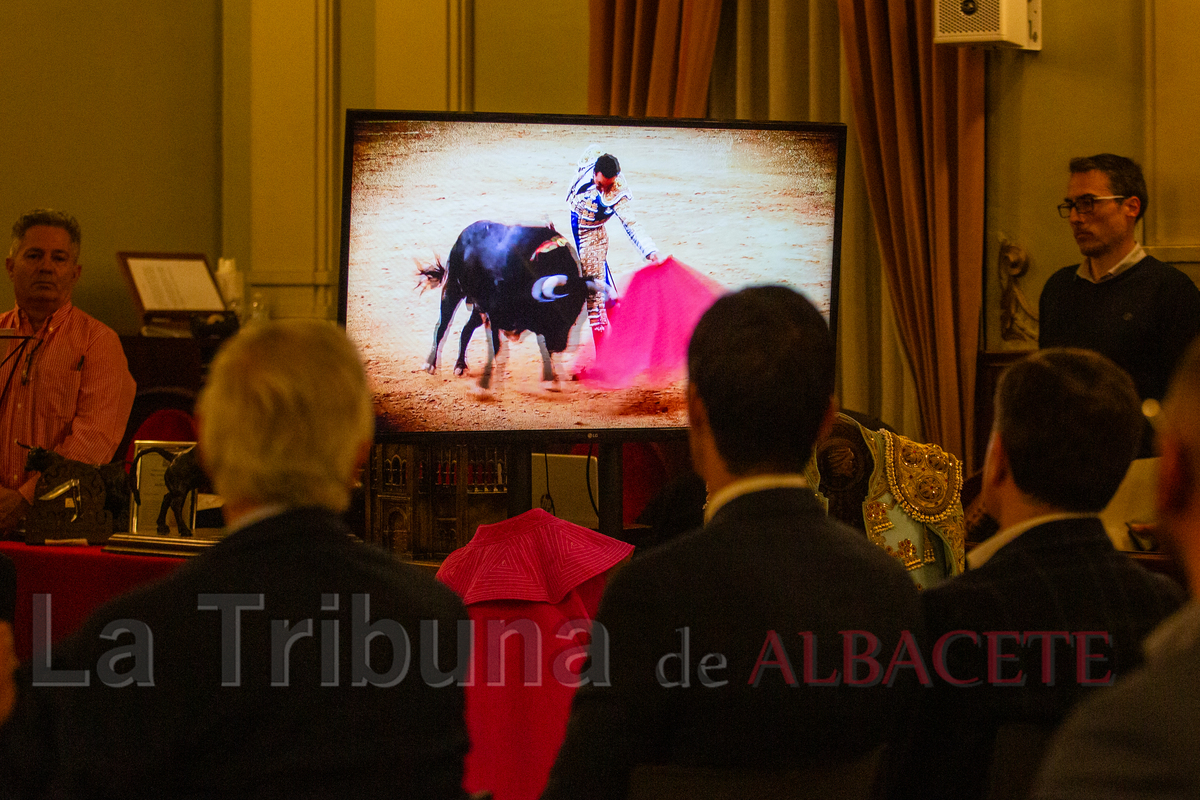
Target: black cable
{"points": [[29, 362], [587, 478], [16, 352], [547, 502]]}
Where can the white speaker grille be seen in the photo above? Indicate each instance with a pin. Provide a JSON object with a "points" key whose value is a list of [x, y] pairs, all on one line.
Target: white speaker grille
{"points": [[983, 16]]}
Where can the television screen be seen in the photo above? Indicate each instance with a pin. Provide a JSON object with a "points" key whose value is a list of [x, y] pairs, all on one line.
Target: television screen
{"points": [[575, 253]]}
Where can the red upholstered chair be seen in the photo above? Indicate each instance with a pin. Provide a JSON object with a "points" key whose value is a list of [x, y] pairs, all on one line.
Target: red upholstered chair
{"points": [[644, 474], [164, 425], [150, 400]]}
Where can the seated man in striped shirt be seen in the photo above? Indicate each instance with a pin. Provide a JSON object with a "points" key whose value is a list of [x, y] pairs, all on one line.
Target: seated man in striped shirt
{"points": [[64, 381]]}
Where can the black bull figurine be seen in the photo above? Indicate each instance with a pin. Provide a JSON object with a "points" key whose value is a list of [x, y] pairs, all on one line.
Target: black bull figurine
{"points": [[517, 278], [184, 476]]}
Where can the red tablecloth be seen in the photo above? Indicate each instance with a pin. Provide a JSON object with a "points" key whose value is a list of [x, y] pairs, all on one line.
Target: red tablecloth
{"points": [[78, 579]]}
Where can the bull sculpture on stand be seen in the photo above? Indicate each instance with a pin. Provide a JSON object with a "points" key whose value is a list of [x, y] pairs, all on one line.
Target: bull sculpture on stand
{"points": [[184, 477], [74, 500]]}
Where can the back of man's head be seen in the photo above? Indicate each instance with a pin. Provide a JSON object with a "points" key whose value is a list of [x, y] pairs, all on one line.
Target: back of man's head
{"points": [[1124, 175], [1070, 421], [284, 415], [49, 217], [762, 363]]}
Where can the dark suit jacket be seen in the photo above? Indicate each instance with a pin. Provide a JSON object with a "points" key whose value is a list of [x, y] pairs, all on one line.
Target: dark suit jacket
{"points": [[1139, 740], [189, 736], [1063, 576], [770, 561]]}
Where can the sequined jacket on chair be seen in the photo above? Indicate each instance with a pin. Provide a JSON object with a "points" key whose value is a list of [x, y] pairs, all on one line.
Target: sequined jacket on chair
{"points": [[905, 496]]}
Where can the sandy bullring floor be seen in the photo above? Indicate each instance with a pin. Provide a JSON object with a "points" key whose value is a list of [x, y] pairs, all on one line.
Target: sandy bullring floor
{"points": [[743, 207]]}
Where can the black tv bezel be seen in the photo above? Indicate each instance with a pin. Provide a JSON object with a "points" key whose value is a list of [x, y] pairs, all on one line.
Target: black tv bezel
{"points": [[551, 436]]}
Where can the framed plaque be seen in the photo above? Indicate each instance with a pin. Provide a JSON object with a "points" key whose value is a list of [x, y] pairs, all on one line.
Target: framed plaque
{"points": [[170, 287]]}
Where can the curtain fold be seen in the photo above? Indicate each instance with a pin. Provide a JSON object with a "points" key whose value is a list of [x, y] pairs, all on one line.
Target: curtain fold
{"points": [[919, 111], [651, 58], [783, 60]]}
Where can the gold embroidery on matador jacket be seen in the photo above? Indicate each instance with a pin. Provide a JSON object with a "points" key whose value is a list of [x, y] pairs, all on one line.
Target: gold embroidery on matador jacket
{"points": [[905, 496]]}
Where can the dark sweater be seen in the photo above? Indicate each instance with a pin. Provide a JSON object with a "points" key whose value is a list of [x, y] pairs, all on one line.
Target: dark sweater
{"points": [[1143, 319]]}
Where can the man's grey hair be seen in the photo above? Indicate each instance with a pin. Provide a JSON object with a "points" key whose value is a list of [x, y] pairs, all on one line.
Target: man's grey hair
{"points": [[45, 216], [284, 414]]}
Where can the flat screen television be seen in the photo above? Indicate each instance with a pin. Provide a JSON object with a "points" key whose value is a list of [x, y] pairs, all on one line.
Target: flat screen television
{"points": [[735, 203]]}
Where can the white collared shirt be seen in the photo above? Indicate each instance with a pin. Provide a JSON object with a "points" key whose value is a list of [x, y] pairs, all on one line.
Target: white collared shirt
{"points": [[980, 555], [753, 483], [1131, 259]]}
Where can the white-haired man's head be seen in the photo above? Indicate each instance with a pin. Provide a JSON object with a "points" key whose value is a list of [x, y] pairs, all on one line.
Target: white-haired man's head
{"points": [[285, 416]]}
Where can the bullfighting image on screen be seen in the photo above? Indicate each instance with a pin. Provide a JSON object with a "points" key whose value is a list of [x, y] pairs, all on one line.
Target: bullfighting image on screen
{"points": [[544, 274]]}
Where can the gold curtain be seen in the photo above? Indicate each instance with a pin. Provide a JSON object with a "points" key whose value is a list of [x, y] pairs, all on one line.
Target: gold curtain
{"points": [[651, 58], [919, 110], [782, 60]]}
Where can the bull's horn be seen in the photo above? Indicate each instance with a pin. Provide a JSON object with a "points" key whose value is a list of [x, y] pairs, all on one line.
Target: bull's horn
{"points": [[544, 290]]}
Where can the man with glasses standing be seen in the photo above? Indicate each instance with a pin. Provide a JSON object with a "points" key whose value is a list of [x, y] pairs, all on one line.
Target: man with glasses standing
{"points": [[1121, 302]]}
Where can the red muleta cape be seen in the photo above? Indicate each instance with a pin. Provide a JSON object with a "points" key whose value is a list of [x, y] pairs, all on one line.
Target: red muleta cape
{"points": [[651, 326], [549, 571]]}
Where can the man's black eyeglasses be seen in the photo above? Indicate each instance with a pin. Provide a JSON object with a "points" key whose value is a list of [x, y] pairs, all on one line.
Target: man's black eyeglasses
{"points": [[1084, 204]]}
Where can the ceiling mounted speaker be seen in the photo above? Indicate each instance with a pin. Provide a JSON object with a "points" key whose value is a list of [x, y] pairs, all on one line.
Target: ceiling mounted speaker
{"points": [[991, 23]]}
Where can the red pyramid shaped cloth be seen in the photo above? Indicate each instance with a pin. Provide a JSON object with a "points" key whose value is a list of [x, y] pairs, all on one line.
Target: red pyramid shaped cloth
{"points": [[533, 556], [652, 325]]}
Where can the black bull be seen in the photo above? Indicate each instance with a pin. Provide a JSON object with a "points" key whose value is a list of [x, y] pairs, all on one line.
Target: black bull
{"points": [[516, 278]]}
